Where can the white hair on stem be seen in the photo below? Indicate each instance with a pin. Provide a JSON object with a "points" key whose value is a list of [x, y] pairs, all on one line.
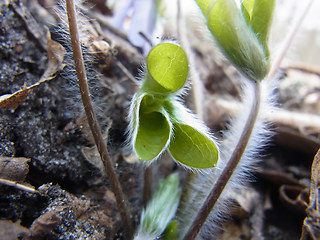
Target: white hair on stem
{"points": [[202, 184]]}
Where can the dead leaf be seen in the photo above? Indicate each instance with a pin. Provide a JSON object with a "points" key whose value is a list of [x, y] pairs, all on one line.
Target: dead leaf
{"points": [[311, 224], [93, 156], [35, 30], [91, 153], [11, 231], [56, 54], [12, 101], [15, 169], [46, 222]]}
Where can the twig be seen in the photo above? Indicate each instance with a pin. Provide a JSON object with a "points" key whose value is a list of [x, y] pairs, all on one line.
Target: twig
{"points": [[227, 171], [288, 41], [127, 73], [104, 22], [289, 118], [17, 185], [92, 120]]}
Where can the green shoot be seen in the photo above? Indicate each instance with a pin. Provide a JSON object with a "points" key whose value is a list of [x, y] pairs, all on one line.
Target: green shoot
{"points": [[161, 209], [160, 122], [246, 47]]}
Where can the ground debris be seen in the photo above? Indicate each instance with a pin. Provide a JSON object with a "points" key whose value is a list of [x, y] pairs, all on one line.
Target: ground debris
{"points": [[69, 217]]}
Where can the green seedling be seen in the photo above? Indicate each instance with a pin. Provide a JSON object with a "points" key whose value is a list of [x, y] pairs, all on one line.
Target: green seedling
{"points": [[155, 219], [159, 121], [242, 35]]}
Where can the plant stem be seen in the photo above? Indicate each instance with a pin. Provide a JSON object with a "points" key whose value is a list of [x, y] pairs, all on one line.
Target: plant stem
{"points": [[147, 185], [92, 119], [228, 170]]}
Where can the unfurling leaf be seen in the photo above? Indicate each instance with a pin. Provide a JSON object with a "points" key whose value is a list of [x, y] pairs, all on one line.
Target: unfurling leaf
{"points": [[238, 41], [167, 69], [259, 18], [153, 132], [192, 148]]}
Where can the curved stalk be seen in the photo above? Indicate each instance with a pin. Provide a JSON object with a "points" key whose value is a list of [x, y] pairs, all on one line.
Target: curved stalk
{"points": [[228, 170], [92, 119]]}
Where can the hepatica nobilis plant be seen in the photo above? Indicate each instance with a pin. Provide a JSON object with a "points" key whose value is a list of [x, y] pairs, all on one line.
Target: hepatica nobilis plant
{"points": [[158, 119]]}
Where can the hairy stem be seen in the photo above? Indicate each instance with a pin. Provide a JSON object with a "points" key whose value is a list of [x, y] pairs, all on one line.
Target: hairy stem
{"points": [[147, 187], [228, 170], [92, 119]]}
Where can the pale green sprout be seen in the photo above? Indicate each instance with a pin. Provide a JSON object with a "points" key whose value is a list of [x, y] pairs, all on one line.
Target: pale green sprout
{"points": [[158, 119], [160, 209], [242, 35]]}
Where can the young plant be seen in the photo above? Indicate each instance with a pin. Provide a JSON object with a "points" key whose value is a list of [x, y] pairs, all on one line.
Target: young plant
{"points": [[158, 119], [160, 209], [242, 36]]}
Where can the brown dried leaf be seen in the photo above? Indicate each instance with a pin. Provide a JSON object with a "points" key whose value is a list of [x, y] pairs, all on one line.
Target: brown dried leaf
{"points": [[93, 156], [35, 30], [56, 54], [11, 231], [311, 224], [92, 153], [12, 101], [15, 169], [46, 222], [314, 203]]}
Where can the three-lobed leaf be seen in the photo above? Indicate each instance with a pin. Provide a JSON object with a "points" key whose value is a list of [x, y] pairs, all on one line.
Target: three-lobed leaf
{"points": [[193, 148]]}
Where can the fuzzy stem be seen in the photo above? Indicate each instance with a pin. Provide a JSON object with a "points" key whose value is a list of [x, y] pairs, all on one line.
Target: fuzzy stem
{"points": [[228, 170], [92, 119], [147, 192]]}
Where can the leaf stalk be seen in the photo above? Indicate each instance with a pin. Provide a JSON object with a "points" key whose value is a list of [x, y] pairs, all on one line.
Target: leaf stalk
{"points": [[226, 174], [92, 119]]}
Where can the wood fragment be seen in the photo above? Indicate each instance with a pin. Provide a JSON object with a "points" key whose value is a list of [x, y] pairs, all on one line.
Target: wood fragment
{"points": [[17, 185], [36, 30]]}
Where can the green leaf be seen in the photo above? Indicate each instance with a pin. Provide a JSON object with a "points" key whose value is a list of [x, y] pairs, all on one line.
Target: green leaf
{"points": [[167, 69], [153, 131], [247, 7], [192, 148], [171, 231], [261, 20], [237, 40], [161, 209]]}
